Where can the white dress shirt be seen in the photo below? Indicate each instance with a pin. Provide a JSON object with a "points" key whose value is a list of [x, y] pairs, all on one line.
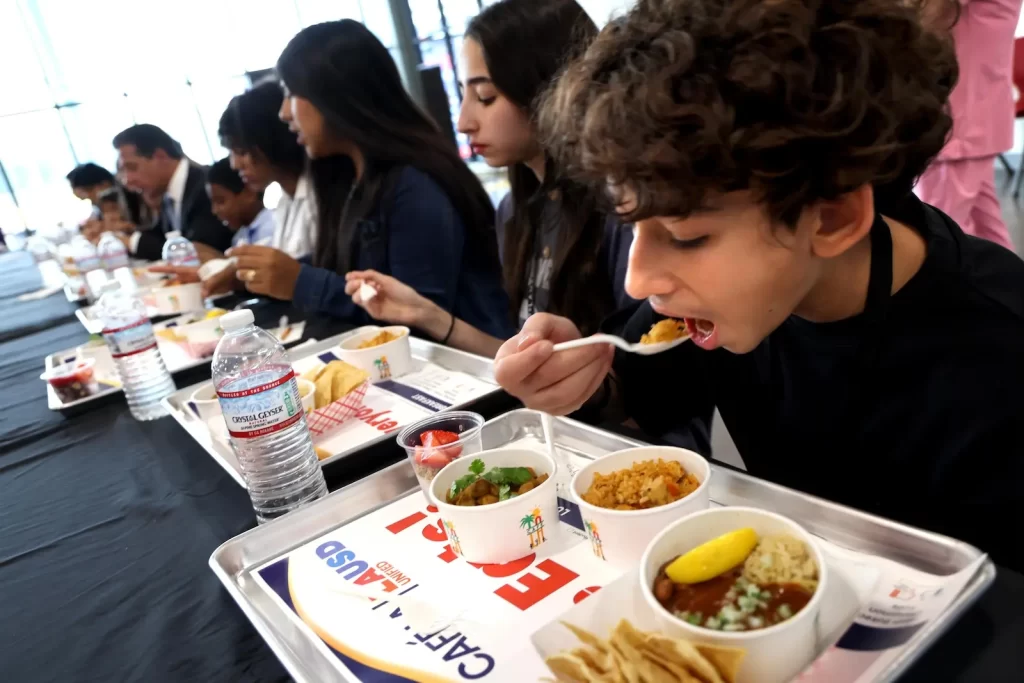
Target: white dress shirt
{"points": [[295, 221], [176, 193]]}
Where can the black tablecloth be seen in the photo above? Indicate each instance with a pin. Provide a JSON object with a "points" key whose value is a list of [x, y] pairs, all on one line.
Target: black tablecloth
{"points": [[19, 275], [106, 526]]}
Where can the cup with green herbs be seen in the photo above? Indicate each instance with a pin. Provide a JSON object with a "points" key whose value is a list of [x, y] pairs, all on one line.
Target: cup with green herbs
{"points": [[498, 506]]}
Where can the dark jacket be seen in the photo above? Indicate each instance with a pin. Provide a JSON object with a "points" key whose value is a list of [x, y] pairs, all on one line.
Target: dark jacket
{"points": [[198, 223], [415, 235]]}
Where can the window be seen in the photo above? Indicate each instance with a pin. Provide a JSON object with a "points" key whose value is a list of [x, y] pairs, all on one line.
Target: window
{"points": [[80, 72], [439, 26]]}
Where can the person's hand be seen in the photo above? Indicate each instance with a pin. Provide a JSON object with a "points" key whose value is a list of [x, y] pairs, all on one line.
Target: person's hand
{"points": [[558, 383], [221, 282], [184, 274], [266, 270], [395, 302]]}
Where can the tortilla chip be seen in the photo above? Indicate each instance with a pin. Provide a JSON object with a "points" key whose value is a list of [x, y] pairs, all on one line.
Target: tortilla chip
{"points": [[587, 637], [324, 382], [684, 652], [726, 659], [314, 374], [568, 666], [321, 454], [346, 378]]}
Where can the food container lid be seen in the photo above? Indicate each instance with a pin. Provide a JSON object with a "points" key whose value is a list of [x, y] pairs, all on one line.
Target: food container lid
{"points": [[67, 373]]}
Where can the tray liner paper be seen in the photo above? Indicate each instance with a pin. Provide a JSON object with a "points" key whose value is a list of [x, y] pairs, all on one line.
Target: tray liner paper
{"points": [[875, 605], [385, 407]]}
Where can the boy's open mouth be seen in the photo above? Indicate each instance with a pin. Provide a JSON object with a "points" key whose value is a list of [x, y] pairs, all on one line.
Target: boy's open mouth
{"points": [[702, 331]]}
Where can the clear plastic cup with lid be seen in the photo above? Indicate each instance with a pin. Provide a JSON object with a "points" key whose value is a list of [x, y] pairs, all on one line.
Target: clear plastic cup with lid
{"points": [[73, 381], [439, 439]]}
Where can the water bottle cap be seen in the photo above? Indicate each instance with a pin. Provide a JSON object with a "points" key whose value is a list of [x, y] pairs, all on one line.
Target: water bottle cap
{"points": [[172, 234], [236, 320]]}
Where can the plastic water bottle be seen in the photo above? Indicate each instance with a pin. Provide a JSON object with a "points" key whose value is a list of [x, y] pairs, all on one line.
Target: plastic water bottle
{"points": [[112, 252], [129, 336], [178, 251], [262, 409], [90, 268]]}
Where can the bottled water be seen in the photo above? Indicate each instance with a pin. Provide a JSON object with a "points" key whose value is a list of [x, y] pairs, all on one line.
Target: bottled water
{"points": [[129, 336], [178, 251], [112, 252], [90, 268], [263, 412]]}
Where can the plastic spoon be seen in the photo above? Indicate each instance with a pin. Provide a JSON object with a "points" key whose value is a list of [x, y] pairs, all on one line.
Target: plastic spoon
{"points": [[618, 342]]}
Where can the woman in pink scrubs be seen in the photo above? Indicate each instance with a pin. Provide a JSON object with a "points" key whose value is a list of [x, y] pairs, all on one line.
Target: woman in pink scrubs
{"points": [[961, 182]]}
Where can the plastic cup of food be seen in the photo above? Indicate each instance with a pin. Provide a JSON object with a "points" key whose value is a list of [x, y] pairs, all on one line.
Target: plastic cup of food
{"points": [[73, 381], [205, 403], [620, 537], [435, 441], [177, 298], [503, 531], [382, 361], [775, 653]]}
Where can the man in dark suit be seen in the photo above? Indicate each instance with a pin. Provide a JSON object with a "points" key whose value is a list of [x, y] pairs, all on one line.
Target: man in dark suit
{"points": [[153, 163]]}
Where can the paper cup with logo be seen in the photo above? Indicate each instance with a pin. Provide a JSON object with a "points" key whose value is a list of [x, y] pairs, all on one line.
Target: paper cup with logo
{"points": [[427, 461], [774, 654], [177, 298], [382, 362], [505, 531], [620, 536]]}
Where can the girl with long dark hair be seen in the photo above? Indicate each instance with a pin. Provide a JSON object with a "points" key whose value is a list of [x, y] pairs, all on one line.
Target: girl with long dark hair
{"points": [[264, 151], [391, 193], [560, 253]]}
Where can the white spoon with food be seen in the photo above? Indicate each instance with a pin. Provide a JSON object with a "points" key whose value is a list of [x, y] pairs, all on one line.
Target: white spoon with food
{"points": [[664, 335]]}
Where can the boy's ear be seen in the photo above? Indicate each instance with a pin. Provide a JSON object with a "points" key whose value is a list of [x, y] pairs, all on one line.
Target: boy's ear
{"points": [[843, 222]]}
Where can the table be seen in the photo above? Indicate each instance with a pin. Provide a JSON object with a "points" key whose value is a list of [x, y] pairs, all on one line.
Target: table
{"points": [[107, 526], [19, 275]]}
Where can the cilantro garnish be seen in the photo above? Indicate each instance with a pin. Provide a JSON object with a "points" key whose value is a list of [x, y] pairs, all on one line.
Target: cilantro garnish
{"points": [[502, 477]]}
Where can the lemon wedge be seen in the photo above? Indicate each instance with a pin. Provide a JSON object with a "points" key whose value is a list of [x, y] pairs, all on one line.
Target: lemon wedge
{"points": [[215, 313], [713, 558]]}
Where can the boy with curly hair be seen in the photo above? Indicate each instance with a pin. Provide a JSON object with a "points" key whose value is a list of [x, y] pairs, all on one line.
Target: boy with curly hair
{"points": [[857, 343]]}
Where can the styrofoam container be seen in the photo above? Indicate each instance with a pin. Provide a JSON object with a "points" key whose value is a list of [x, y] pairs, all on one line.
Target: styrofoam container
{"points": [[383, 362], [176, 298], [202, 336], [207, 405], [505, 531], [620, 537], [774, 654]]}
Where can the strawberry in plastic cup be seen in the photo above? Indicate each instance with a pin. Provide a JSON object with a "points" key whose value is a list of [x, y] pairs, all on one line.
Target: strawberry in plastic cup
{"points": [[439, 439], [73, 381]]}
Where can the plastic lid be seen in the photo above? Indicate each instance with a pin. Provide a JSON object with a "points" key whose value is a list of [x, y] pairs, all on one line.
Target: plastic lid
{"points": [[236, 320], [172, 234]]}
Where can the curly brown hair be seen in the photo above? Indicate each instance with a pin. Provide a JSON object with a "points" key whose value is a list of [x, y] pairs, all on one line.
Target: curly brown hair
{"points": [[795, 100]]}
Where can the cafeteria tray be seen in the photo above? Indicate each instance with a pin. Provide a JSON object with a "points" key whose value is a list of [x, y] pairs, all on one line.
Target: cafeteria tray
{"points": [[236, 561], [72, 290], [422, 351], [86, 314], [177, 362]]}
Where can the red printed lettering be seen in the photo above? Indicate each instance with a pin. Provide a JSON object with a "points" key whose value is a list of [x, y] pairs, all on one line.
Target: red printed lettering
{"points": [[584, 594], [403, 524], [537, 588], [503, 571], [435, 532], [367, 577], [448, 555]]}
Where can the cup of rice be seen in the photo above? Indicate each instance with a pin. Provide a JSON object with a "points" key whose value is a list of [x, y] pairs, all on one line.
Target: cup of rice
{"points": [[785, 555], [627, 497]]}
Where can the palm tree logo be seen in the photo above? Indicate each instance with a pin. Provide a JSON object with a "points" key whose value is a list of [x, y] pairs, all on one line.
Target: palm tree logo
{"points": [[595, 538], [383, 368], [534, 525], [453, 538]]}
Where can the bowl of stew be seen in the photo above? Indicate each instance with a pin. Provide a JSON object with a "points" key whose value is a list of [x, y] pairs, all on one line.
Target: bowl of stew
{"points": [[767, 604], [497, 506]]}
